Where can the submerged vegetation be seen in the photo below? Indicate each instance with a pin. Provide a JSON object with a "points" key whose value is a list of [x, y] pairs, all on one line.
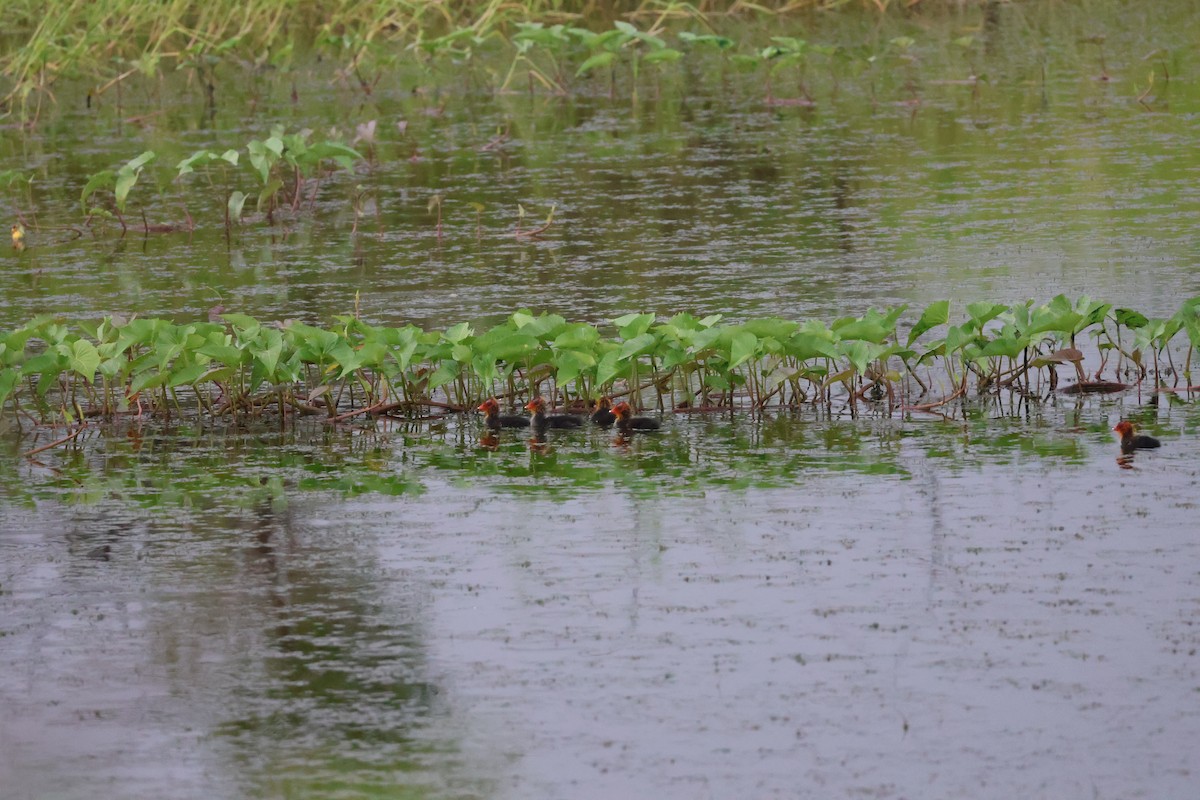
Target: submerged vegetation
{"points": [[238, 367]]}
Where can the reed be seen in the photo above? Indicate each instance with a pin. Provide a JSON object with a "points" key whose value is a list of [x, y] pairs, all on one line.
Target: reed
{"points": [[109, 42]]}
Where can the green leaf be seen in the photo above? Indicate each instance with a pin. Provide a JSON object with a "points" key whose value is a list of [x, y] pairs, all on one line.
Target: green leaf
{"points": [[268, 192], [771, 327], [227, 354], [8, 379], [236, 201], [959, 336], [269, 354], [982, 313], [512, 347], [187, 165], [742, 346], [1192, 327], [861, 353], [46, 363], [633, 325], [261, 158], [334, 150], [125, 182], [598, 60], [638, 345], [804, 346], [870, 330], [720, 42], [569, 364], [246, 326], [105, 179], [545, 327], [577, 337], [458, 332], [609, 367], [937, 313], [187, 375], [447, 372], [136, 164], [10, 176], [148, 380], [1008, 346], [1129, 318], [84, 359], [666, 54]]}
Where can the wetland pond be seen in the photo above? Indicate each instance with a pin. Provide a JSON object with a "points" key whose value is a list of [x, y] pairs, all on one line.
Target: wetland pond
{"points": [[984, 603]]}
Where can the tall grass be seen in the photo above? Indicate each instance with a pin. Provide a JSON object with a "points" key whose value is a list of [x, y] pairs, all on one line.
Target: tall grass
{"points": [[114, 39]]}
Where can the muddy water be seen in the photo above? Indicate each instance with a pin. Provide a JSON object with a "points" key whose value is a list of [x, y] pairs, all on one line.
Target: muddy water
{"points": [[799, 606], [776, 608]]}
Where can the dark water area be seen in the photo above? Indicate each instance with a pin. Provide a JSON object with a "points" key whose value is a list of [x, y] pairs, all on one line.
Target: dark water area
{"points": [[986, 603]]}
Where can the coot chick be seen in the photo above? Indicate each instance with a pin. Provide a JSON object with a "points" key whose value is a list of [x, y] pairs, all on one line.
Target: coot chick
{"points": [[627, 423], [495, 420], [1131, 442], [602, 413], [540, 420]]}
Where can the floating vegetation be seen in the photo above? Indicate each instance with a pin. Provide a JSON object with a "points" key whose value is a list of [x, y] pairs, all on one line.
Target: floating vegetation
{"points": [[237, 367]]}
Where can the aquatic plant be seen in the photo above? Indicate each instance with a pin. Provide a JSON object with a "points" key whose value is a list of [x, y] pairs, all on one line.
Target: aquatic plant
{"points": [[279, 159], [118, 182], [51, 372], [535, 39], [204, 160]]}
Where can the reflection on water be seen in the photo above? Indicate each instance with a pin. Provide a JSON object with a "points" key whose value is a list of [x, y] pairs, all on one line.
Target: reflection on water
{"points": [[248, 468], [231, 613], [258, 635]]}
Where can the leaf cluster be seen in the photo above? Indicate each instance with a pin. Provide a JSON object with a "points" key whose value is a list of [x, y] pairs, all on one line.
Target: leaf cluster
{"points": [[238, 365]]}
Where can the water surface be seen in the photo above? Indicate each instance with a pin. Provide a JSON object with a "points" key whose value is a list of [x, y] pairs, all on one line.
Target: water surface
{"points": [[800, 605]]}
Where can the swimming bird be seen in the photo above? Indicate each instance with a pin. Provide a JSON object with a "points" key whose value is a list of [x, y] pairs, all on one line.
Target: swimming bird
{"points": [[602, 413], [540, 420], [627, 423], [1131, 442], [494, 420]]}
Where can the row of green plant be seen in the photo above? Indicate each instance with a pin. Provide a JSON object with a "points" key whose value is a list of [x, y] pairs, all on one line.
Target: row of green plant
{"points": [[282, 163], [51, 371]]}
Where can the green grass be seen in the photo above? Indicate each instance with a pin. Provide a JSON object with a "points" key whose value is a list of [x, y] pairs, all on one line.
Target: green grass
{"points": [[110, 41]]}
